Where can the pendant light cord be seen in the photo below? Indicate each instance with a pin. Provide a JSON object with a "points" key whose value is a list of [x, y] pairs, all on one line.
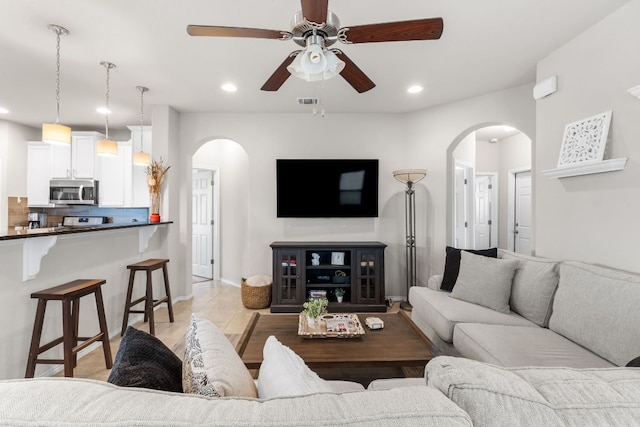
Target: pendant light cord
{"points": [[58, 76]]}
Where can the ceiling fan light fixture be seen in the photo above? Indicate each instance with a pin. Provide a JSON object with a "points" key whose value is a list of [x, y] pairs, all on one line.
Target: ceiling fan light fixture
{"points": [[315, 63]]}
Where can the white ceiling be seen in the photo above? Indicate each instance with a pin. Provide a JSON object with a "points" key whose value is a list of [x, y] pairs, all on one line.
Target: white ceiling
{"points": [[486, 46]]}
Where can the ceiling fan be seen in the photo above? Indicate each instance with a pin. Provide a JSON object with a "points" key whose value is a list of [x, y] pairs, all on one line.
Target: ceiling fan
{"points": [[316, 28]]}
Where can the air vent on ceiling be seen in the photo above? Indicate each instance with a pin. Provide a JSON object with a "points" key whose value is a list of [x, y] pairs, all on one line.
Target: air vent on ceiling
{"points": [[308, 101]]}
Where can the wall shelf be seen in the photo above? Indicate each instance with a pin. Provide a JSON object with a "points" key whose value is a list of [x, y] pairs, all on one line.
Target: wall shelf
{"points": [[587, 168]]}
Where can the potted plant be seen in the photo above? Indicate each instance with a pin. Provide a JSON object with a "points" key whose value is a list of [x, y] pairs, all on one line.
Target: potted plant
{"points": [[314, 308], [339, 293]]}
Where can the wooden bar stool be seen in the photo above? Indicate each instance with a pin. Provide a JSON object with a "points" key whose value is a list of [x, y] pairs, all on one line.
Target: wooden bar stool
{"points": [[70, 294], [149, 303]]}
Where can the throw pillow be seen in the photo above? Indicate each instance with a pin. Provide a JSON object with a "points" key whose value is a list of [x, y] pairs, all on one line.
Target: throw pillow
{"points": [[284, 373], [144, 361], [485, 281], [211, 365], [452, 264], [635, 363]]}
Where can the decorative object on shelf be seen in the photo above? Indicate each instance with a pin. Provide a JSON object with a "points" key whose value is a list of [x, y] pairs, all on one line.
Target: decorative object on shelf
{"points": [[315, 259], [410, 177], [106, 146], [339, 293], [141, 158], [331, 326], [155, 178], [337, 258], [585, 140], [56, 133], [313, 309], [374, 323], [340, 277]]}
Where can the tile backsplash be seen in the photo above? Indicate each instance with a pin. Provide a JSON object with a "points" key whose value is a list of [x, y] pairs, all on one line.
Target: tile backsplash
{"points": [[18, 211]]}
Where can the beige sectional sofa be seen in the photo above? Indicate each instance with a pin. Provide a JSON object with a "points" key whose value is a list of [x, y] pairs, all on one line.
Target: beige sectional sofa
{"points": [[562, 313]]}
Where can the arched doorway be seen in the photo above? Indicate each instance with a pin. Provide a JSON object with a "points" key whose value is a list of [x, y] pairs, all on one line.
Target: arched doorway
{"points": [[222, 212], [486, 163]]}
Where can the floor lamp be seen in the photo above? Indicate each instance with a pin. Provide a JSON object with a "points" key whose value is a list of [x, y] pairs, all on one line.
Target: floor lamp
{"points": [[410, 177]]}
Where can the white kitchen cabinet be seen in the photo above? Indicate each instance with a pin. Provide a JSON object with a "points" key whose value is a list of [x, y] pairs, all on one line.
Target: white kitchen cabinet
{"points": [[115, 177], [78, 160], [38, 173]]}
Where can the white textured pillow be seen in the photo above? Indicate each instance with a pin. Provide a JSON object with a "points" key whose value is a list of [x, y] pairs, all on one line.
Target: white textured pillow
{"points": [[211, 365], [485, 281], [284, 373]]}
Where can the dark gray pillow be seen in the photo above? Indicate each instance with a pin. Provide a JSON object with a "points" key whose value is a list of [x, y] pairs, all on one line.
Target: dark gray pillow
{"points": [[144, 361]]}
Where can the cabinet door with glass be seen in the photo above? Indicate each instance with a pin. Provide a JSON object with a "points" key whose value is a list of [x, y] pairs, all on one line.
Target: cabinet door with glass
{"points": [[288, 266], [369, 286]]}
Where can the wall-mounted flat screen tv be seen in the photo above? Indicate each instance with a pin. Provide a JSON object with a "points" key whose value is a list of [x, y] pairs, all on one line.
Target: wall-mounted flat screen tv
{"points": [[325, 188]]}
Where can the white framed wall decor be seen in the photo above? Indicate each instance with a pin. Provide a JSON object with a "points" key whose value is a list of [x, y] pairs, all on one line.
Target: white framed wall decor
{"points": [[585, 140]]}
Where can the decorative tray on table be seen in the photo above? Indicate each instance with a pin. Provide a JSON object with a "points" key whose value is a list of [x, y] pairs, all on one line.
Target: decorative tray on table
{"points": [[331, 326]]}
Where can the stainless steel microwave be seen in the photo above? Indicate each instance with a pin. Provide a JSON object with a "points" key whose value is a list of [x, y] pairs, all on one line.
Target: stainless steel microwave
{"points": [[73, 191]]}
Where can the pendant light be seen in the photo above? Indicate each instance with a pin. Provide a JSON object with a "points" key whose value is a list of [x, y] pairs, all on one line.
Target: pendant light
{"points": [[141, 158], [107, 147], [56, 133]]}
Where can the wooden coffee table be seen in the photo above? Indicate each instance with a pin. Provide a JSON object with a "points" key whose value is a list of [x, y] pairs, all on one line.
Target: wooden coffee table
{"points": [[400, 344]]}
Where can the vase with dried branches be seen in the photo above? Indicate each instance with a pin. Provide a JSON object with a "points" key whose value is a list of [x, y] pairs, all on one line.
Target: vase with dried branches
{"points": [[155, 178]]}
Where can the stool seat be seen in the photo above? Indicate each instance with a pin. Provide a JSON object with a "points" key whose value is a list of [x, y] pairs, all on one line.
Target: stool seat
{"points": [[70, 294], [149, 266]]}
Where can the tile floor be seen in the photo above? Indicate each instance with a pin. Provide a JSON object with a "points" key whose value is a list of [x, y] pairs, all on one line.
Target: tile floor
{"points": [[216, 301]]}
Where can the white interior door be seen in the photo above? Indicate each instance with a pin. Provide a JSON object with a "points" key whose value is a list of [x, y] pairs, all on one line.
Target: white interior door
{"points": [[486, 212], [523, 227], [202, 223], [463, 206]]}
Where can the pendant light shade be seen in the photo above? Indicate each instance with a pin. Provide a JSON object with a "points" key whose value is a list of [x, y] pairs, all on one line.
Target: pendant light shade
{"points": [[107, 147], [141, 158], [56, 133]]}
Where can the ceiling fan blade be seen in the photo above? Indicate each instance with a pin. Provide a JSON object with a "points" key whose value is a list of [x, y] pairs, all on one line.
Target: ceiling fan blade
{"points": [[315, 10], [354, 75], [417, 29], [217, 31], [280, 75]]}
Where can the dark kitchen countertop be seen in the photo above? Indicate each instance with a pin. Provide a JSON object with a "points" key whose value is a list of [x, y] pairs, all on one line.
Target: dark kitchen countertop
{"points": [[63, 231]]}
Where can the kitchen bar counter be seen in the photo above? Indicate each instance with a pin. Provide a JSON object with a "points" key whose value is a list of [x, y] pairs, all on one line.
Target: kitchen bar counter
{"points": [[63, 231]]}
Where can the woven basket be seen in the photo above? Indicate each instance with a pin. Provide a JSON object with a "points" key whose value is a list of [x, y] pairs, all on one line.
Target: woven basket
{"points": [[256, 292]]}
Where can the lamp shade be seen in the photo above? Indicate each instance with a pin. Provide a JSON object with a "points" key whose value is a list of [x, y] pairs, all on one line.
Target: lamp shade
{"points": [[141, 158], [409, 175], [107, 147], [55, 133], [315, 63]]}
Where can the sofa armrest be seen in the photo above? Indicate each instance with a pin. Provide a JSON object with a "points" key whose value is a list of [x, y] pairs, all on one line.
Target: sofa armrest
{"points": [[434, 282]]}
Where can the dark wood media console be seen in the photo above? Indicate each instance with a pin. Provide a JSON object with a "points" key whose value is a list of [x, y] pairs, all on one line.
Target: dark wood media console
{"points": [[303, 269]]}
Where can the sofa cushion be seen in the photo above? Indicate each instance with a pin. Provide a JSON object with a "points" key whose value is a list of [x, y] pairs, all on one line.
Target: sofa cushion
{"points": [[284, 373], [211, 365], [485, 281], [79, 402], [522, 346], [443, 312], [538, 396], [534, 284], [452, 264], [143, 360], [597, 308]]}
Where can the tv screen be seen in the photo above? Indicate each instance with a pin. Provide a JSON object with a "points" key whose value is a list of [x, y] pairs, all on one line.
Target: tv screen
{"points": [[327, 188]]}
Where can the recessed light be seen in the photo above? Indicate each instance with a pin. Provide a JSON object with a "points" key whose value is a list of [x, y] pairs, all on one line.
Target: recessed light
{"points": [[415, 89], [103, 110], [4, 110], [229, 87]]}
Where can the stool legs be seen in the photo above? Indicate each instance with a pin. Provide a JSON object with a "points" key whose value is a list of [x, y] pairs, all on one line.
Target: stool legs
{"points": [[148, 305], [35, 339], [102, 320], [127, 304], [167, 289]]}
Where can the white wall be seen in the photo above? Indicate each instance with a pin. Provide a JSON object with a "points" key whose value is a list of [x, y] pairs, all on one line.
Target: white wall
{"points": [[233, 164], [432, 136], [13, 163], [487, 157], [465, 152], [592, 218]]}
